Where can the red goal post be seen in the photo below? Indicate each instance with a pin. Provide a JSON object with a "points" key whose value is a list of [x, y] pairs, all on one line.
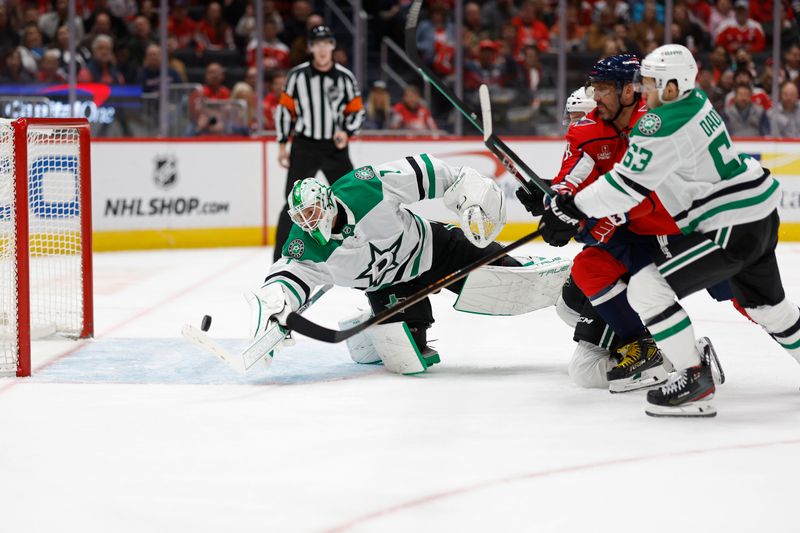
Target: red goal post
{"points": [[45, 235]]}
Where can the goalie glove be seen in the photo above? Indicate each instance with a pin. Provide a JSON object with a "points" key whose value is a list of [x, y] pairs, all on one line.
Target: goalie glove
{"points": [[479, 203], [269, 303]]}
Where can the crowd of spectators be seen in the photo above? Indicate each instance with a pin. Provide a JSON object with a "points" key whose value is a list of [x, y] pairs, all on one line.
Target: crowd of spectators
{"points": [[505, 43], [504, 40]]}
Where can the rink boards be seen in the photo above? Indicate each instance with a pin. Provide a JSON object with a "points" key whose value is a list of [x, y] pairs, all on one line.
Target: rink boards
{"points": [[155, 193]]}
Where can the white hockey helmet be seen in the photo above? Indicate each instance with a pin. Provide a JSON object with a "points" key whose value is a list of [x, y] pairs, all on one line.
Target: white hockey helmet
{"points": [[580, 101], [312, 206], [667, 63]]}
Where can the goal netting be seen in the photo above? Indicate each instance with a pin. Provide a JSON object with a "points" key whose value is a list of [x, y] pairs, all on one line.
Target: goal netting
{"points": [[45, 235]]}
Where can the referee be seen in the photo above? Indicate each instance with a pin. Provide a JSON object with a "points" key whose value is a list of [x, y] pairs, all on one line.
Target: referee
{"points": [[321, 105]]}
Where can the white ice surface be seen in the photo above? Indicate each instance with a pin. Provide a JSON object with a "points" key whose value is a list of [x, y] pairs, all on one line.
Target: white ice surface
{"points": [[139, 431]]}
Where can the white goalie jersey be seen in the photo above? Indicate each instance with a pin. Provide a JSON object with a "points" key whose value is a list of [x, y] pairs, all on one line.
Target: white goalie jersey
{"points": [[380, 243]]}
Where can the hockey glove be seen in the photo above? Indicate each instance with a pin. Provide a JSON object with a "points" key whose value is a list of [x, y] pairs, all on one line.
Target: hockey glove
{"points": [[604, 229], [533, 201], [561, 221]]}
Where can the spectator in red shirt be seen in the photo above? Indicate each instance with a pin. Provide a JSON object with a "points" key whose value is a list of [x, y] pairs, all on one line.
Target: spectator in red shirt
{"points": [[213, 89], [180, 26], [576, 32], [701, 12], [489, 68], [411, 113], [721, 13], [530, 30], [274, 52], [742, 32], [743, 76], [720, 62], [436, 40], [101, 68], [49, 71], [270, 102], [213, 33]]}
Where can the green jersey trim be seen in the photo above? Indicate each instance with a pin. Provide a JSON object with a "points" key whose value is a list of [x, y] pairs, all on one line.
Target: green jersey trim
{"points": [[305, 248], [610, 179], [670, 117], [360, 195], [415, 267], [737, 204], [431, 175]]}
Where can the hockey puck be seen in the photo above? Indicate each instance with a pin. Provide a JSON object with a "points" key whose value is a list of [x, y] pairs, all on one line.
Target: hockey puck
{"points": [[205, 323]]}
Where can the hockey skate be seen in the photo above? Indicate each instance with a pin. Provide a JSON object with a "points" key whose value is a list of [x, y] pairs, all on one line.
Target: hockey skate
{"points": [[709, 355], [687, 393], [641, 366]]}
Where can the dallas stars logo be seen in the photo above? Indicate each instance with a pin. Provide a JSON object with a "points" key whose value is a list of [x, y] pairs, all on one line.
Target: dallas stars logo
{"points": [[364, 173], [381, 263], [296, 248], [649, 124]]}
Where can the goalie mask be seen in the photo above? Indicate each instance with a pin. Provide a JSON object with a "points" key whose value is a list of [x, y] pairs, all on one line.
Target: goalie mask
{"points": [[580, 101], [312, 206]]}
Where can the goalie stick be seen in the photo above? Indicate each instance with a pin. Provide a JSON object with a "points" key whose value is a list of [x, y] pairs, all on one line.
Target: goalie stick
{"points": [[256, 350], [496, 145], [303, 326]]}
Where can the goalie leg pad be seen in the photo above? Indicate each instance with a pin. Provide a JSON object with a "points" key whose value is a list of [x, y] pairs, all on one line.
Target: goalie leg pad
{"points": [[360, 346], [505, 291], [589, 366], [398, 350]]}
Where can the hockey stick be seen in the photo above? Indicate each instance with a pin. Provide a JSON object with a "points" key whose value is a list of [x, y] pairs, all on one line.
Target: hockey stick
{"points": [[497, 146], [256, 350], [303, 326]]}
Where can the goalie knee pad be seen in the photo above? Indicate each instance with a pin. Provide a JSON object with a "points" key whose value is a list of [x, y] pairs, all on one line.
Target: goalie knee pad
{"points": [[589, 366], [360, 345]]}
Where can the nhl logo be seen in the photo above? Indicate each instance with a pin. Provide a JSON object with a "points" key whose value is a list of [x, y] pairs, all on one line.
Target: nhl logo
{"points": [[296, 248], [165, 173], [649, 124], [364, 173], [334, 93]]}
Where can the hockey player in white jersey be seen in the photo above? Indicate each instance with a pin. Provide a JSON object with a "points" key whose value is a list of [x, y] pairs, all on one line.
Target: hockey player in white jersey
{"points": [[356, 233], [725, 204]]}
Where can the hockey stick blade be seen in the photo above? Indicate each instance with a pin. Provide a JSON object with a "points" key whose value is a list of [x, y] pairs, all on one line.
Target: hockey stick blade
{"points": [[303, 326], [257, 350], [486, 111]]}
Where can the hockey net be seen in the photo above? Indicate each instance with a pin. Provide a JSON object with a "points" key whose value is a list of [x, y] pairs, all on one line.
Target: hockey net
{"points": [[45, 236]]}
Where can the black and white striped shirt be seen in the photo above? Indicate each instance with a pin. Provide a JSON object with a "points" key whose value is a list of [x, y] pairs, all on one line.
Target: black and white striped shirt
{"points": [[317, 104]]}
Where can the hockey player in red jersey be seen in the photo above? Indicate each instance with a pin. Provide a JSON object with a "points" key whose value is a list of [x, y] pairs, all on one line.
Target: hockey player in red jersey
{"points": [[613, 349]]}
